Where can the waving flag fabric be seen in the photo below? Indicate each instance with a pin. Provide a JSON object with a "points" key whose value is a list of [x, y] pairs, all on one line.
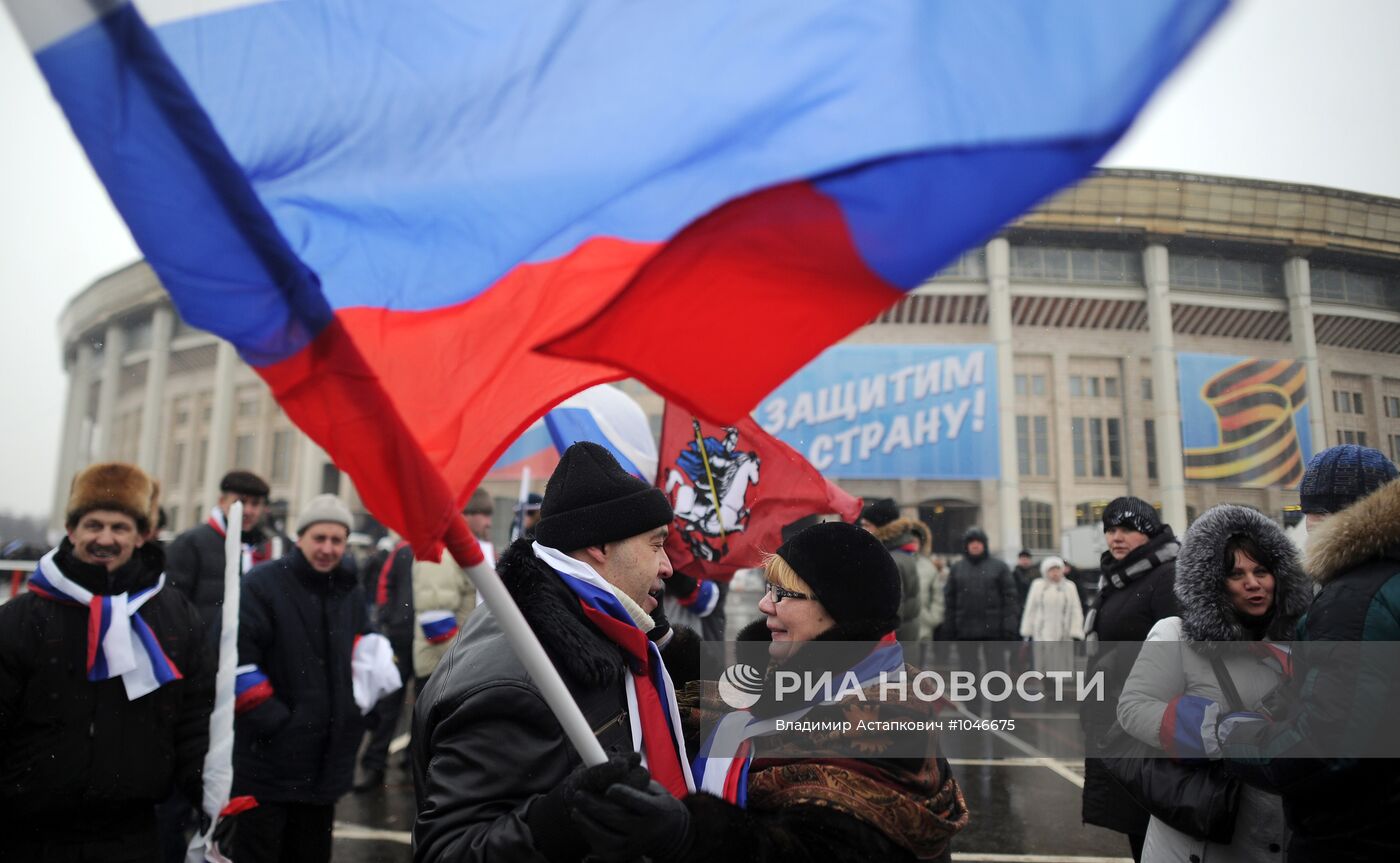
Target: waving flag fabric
{"points": [[611, 418], [426, 222]]}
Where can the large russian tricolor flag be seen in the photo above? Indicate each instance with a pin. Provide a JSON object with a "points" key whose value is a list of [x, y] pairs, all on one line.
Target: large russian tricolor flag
{"points": [[425, 222]]}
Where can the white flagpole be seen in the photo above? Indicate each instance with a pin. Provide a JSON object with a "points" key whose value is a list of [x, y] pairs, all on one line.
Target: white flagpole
{"points": [[517, 525], [218, 762], [523, 641]]}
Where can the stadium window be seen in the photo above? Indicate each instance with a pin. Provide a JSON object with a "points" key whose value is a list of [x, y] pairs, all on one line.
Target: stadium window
{"points": [[243, 452], [1149, 436], [1096, 442], [1356, 404], [1076, 386], [1038, 386], [1147, 389], [1022, 385], [1226, 275], [1350, 436], [281, 456], [1023, 444], [1392, 407], [1094, 390], [1115, 447], [1033, 445], [203, 460], [1081, 449], [1110, 387], [177, 462], [1042, 445], [1037, 524], [1395, 448]]}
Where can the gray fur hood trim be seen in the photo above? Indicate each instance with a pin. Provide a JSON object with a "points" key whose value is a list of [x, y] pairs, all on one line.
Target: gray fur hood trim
{"points": [[900, 527], [1364, 531], [1206, 612]]}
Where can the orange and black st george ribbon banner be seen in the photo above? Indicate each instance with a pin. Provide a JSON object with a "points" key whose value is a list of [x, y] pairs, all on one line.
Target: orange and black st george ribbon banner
{"points": [[1255, 402]]}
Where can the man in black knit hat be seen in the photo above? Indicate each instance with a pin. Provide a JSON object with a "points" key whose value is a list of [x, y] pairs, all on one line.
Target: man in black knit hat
{"points": [[495, 775]]}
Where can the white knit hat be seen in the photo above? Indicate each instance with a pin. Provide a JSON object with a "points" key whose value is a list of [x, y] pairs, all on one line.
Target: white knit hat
{"points": [[325, 507], [1050, 563]]}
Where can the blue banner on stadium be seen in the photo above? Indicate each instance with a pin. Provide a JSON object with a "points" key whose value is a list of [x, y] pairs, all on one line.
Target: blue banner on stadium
{"points": [[892, 411], [1244, 420]]}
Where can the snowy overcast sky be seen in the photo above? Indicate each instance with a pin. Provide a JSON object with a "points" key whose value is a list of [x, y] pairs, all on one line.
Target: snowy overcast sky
{"points": [[1292, 90]]}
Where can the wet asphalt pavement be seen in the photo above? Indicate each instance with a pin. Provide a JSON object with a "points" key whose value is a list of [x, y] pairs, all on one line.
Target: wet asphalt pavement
{"points": [[1024, 808]]}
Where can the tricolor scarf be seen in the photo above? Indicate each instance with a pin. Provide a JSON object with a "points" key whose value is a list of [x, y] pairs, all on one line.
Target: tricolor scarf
{"points": [[120, 643], [651, 698], [727, 756], [252, 554]]}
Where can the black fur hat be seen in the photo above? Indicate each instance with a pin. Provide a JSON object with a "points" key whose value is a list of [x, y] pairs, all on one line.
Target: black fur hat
{"points": [[1201, 570], [880, 511], [1133, 513], [851, 573], [591, 500]]}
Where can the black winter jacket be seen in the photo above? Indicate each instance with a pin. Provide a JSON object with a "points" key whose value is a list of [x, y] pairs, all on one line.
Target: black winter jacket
{"points": [[394, 616], [487, 748], [299, 627], [194, 563], [980, 601], [1339, 809], [78, 759], [905, 538], [1137, 592]]}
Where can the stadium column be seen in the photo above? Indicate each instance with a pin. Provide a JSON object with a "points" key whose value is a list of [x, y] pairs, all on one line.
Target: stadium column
{"points": [[113, 346], [220, 424], [999, 320], [79, 393], [157, 370], [1171, 470], [1297, 282]]}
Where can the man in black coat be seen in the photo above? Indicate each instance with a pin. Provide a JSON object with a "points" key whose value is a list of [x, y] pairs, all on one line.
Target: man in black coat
{"points": [[980, 598], [297, 724], [1136, 589], [494, 774], [195, 558], [95, 735]]}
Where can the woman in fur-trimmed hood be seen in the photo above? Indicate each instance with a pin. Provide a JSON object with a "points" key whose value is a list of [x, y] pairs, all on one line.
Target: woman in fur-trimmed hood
{"points": [[908, 541], [1238, 579]]}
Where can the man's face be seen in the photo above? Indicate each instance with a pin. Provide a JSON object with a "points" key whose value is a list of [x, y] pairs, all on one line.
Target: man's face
{"points": [[1122, 540], [1023, 559], [532, 517], [975, 547], [636, 566], [105, 538], [254, 507], [323, 544], [480, 524]]}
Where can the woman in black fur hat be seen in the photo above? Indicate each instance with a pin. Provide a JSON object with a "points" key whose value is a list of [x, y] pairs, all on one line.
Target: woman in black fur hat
{"points": [[832, 584], [1238, 579]]}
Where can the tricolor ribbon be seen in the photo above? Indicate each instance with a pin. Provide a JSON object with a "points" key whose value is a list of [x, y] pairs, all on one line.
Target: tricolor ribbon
{"points": [[438, 626], [120, 643], [725, 758]]}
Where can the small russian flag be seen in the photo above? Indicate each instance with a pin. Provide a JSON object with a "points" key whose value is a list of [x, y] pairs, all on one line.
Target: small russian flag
{"points": [[438, 626], [251, 688]]}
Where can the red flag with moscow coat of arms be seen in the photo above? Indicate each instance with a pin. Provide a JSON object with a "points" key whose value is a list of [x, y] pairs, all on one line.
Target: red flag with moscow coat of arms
{"points": [[734, 488]]}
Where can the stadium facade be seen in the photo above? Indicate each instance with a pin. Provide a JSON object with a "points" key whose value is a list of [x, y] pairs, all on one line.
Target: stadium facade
{"points": [[1187, 339]]}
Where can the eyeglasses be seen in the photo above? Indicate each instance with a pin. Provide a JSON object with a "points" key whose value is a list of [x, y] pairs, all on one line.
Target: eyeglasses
{"points": [[778, 594]]}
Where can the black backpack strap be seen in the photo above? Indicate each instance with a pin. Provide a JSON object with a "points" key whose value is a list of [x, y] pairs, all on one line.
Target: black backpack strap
{"points": [[1227, 684]]}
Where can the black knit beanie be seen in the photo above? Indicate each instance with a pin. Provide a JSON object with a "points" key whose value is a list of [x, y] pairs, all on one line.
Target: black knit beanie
{"points": [[591, 500], [1133, 513], [1338, 477], [850, 571], [880, 511]]}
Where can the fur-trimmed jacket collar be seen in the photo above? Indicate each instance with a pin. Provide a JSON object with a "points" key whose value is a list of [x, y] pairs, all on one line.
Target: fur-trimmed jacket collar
{"points": [[574, 645], [1207, 614], [902, 531], [1366, 530]]}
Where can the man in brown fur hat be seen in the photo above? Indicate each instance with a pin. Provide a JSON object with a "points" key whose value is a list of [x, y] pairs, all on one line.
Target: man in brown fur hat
{"points": [[105, 687]]}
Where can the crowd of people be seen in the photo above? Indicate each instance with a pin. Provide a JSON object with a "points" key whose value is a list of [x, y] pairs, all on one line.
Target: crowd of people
{"points": [[108, 665]]}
